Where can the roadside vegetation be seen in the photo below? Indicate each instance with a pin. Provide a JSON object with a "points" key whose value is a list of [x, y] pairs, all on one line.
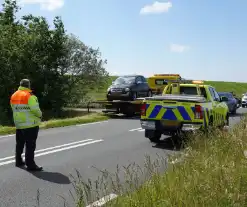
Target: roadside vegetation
{"points": [[62, 69], [210, 171], [236, 87], [52, 123]]}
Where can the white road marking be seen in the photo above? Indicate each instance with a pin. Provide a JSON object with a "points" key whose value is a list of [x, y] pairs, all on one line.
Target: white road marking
{"points": [[56, 150], [137, 129], [10, 135], [103, 200], [47, 149], [99, 122]]}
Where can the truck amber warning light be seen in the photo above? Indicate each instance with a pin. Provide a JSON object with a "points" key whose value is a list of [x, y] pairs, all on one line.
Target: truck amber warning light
{"points": [[197, 82], [166, 75]]}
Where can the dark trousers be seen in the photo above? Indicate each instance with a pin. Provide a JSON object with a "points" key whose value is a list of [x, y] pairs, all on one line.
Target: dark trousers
{"points": [[27, 138]]}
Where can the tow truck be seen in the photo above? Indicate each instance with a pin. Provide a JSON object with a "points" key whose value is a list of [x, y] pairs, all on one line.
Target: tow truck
{"points": [[157, 82], [132, 108], [184, 106]]}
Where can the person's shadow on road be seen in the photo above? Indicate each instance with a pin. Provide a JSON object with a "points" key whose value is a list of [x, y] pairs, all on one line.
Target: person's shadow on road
{"points": [[53, 177]]}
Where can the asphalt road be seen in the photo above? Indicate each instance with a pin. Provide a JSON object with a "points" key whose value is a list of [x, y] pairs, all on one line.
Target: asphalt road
{"points": [[60, 151]]}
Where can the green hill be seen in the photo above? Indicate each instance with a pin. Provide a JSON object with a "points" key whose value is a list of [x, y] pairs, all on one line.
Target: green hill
{"points": [[236, 87]]}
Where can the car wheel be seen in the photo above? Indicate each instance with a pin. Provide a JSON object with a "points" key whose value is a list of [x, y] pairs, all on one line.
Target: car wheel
{"points": [[134, 96], [149, 93]]}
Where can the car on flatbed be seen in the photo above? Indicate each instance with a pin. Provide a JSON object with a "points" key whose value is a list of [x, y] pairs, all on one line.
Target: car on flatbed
{"points": [[183, 107], [129, 88]]}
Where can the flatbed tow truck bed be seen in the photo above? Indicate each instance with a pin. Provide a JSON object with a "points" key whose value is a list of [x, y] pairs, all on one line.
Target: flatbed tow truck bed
{"points": [[129, 108]]}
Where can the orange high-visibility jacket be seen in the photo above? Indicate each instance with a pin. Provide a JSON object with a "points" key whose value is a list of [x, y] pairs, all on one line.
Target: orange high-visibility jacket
{"points": [[25, 107]]}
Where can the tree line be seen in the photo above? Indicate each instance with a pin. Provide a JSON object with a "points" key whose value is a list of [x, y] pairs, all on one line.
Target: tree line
{"points": [[62, 69]]}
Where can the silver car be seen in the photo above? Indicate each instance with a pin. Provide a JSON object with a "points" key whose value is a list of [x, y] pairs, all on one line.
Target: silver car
{"points": [[244, 100]]}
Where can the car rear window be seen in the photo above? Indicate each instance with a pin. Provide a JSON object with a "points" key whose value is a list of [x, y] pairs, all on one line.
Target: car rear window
{"points": [[188, 90]]}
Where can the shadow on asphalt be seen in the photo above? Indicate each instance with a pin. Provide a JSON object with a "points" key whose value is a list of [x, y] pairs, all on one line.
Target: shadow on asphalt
{"points": [[53, 177], [170, 143]]}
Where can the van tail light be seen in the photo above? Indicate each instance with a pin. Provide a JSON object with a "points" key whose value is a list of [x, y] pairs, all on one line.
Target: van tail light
{"points": [[143, 109], [198, 112]]}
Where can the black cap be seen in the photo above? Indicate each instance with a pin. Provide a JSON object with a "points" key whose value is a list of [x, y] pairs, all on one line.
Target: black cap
{"points": [[25, 83]]}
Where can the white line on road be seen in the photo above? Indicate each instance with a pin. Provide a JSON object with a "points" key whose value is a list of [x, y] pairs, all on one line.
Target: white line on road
{"points": [[137, 129], [10, 135], [103, 200], [98, 122], [56, 150], [50, 148]]}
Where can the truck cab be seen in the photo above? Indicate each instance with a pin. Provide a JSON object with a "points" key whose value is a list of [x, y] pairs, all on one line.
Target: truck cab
{"points": [[158, 82]]}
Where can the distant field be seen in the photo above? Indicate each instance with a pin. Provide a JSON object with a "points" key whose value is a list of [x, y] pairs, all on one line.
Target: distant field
{"points": [[237, 88]]}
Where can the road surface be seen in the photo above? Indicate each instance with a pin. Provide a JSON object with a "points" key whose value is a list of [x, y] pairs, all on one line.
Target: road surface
{"points": [[60, 151]]}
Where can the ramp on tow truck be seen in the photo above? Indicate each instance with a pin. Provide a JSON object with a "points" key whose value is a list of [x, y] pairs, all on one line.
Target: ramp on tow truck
{"points": [[128, 108]]}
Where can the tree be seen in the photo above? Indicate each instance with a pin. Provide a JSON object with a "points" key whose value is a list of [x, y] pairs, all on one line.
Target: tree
{"points": [[59, 66], [84, 69]]}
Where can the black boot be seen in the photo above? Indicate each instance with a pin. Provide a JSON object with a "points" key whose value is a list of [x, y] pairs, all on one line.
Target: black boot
{"points": [[19, 163], [34, 168]]}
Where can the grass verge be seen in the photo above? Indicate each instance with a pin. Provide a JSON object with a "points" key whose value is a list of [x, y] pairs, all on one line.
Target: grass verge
{"points": [[213, 173], [92, 117]]}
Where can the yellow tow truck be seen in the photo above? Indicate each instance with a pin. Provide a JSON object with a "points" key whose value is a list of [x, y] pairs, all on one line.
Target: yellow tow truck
{"points": [[158, 82], [184, 106]]}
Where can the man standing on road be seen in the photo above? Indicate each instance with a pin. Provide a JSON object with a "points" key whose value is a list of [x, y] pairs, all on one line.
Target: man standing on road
{"points": [[27, 118]]}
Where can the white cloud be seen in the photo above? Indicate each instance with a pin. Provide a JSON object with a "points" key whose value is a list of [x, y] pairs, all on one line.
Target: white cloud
{"points": [[156, 8], [49, 5], [179, 48]]}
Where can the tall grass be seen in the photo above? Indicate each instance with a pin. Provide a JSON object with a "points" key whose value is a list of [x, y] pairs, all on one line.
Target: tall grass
{"points": [[210, 171]]}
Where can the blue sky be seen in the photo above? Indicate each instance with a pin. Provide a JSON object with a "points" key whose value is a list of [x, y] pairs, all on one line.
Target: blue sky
{"points": [[199, 39]]}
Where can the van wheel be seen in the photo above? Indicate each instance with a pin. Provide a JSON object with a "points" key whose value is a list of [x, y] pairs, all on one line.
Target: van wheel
{"points": [[153, 135]]}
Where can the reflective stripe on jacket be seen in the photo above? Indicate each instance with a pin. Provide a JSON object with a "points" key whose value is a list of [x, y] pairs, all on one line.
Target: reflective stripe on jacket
{"points": [[25, 107]]}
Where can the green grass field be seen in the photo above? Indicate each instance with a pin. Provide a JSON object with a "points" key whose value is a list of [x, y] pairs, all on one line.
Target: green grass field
{"points": [[237, 88]]}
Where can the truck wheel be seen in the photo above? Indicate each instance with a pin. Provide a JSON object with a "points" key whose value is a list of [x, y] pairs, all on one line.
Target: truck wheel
{"points": [[227, 120], [153, 135], [211, 121], [129, 111], [234, 111]]}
